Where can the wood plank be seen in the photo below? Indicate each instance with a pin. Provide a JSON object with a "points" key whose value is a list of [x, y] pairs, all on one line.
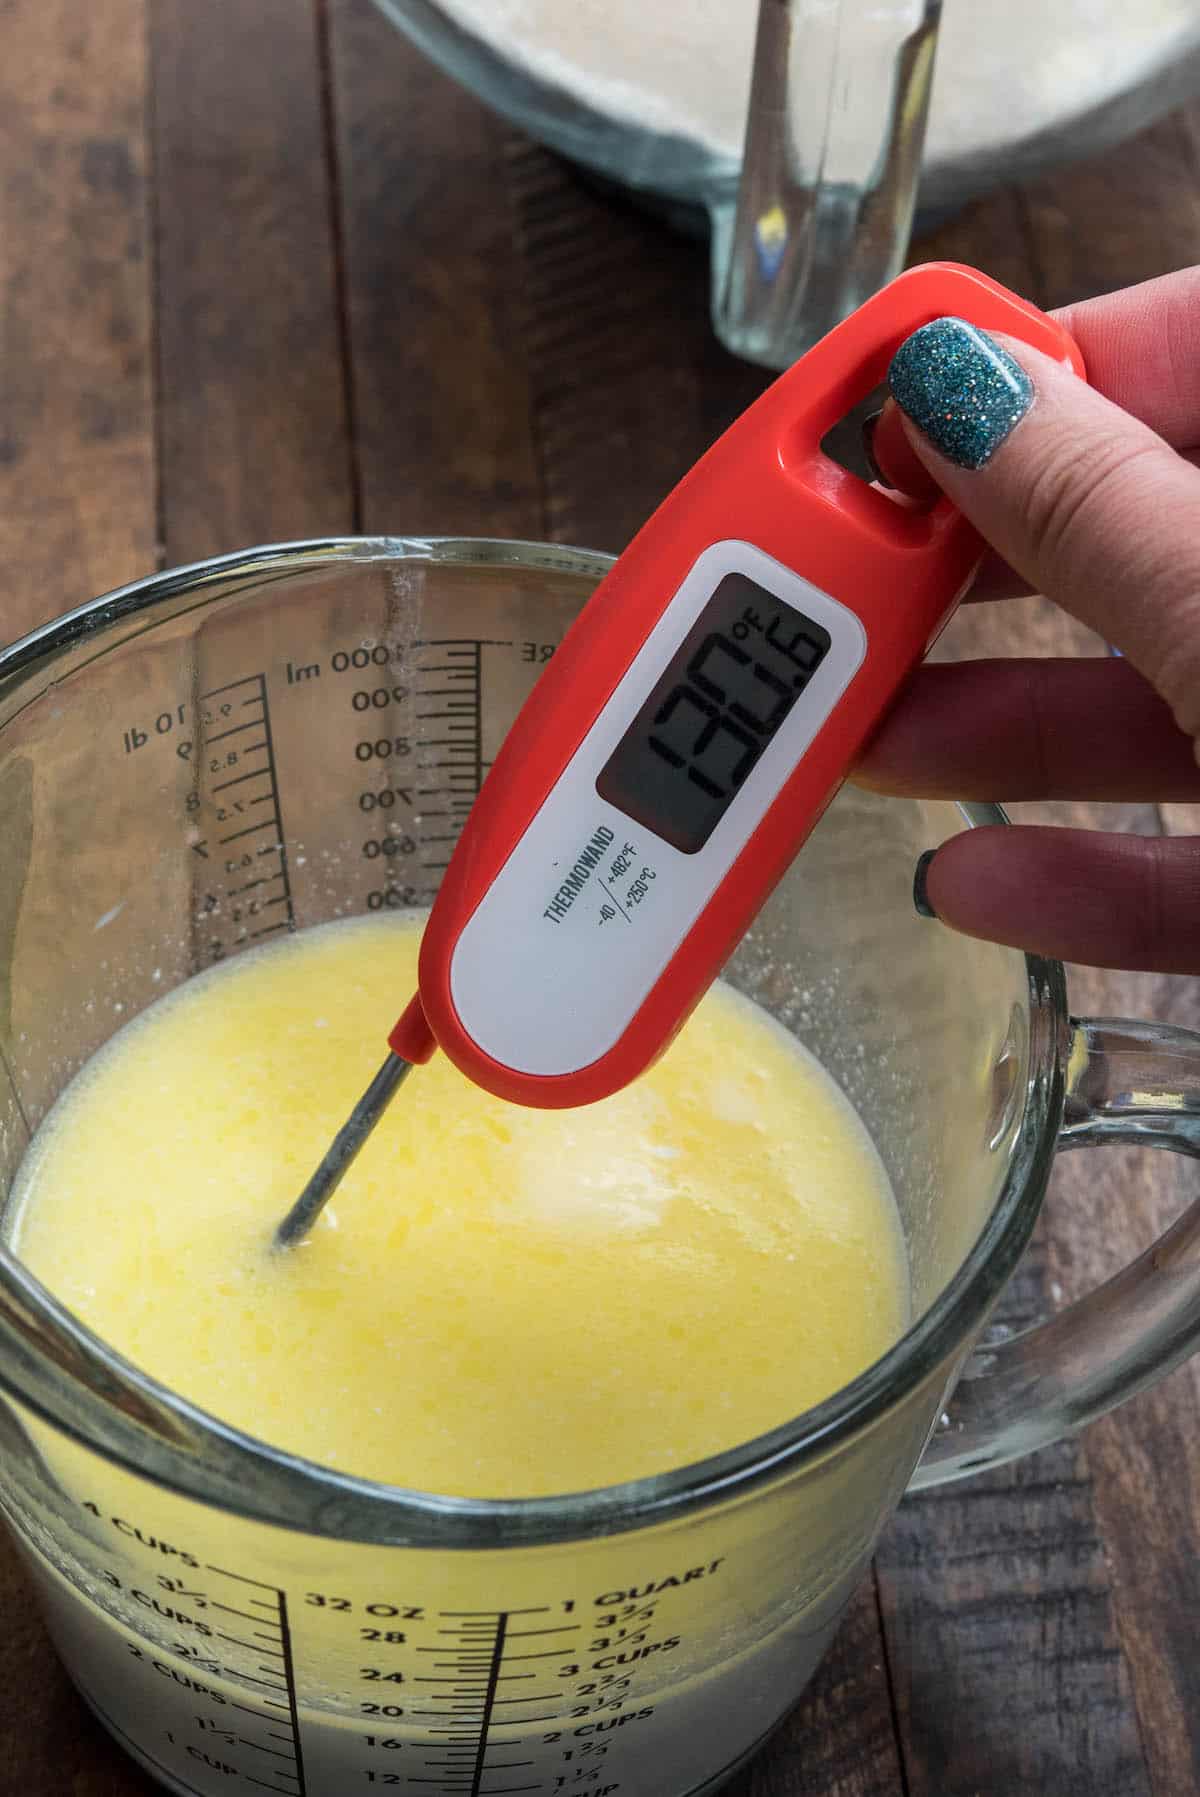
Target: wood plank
{"points": [[1145, 1459], [76, 438], [624, 370], [433, 294], [840, 1739], [253, 418], [77, 516], [997, 1595], [254, 440], [1007, 1666], [1119, 218], [51, 1742], [1109, 223]]}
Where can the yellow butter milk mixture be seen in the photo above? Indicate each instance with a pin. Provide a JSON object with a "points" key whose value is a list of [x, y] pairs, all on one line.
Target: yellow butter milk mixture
{"points": [[500, 1302]]}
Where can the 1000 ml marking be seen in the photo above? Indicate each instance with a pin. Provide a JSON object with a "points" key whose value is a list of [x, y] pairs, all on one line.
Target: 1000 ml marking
{"points": [[417, 720]]}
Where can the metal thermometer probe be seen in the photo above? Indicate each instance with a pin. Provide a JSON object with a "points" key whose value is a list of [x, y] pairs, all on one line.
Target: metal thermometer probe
{"points": [[343, 1151], [689, 732]]}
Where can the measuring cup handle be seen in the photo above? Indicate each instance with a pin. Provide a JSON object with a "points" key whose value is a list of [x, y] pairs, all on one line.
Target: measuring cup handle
{"points": [[830, 169], [1136, 1084]]}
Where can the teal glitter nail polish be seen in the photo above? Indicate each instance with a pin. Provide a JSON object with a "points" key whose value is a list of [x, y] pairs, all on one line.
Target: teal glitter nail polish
{"points": [[961, 388]]}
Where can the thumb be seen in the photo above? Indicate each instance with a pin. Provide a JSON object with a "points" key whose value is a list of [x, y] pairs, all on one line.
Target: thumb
{"points": [[1084, 501]]}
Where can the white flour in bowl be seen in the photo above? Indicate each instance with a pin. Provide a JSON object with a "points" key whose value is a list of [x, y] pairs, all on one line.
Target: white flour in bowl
{"points": [[1005, 68]]}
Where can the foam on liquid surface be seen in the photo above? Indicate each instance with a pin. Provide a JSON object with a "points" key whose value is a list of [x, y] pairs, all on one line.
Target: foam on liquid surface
{"points": [[500, 1301]]}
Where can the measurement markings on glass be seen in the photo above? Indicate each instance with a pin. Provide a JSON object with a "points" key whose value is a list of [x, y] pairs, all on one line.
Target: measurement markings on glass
{"points": [[243, 888], [448, 689], [432, 764], [266, 1608], [464, 1760]]}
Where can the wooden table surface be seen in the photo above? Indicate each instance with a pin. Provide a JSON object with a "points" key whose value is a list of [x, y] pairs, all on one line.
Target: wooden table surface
{"points": [[264, 274]]}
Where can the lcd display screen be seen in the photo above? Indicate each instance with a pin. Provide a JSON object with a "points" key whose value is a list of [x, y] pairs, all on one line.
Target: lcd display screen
{"points": [[717, 706]]}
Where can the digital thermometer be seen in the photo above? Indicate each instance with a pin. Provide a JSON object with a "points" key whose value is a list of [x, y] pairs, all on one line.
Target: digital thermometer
{"points": [[692, 727]]}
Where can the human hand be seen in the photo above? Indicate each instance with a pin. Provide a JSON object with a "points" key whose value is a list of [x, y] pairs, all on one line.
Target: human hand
{"points": [[1090, 494]]}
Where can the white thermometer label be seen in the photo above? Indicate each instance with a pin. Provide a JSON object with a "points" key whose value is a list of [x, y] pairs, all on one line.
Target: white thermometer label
{"points": [[721, 702]]}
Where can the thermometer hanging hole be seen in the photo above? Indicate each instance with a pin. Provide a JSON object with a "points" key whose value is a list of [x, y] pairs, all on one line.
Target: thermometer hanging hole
{"points": [[843, 443]]}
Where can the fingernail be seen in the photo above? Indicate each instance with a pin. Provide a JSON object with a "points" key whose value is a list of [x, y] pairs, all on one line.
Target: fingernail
{"points": [[920, 896], [961, 388], [868, 449]]}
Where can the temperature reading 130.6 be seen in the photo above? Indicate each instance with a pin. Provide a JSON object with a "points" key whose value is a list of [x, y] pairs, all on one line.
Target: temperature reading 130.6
{"points": [[717, 705]]}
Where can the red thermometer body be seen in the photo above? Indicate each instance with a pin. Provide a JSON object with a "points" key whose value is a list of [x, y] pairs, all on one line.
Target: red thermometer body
{"points": [[691, 729]]}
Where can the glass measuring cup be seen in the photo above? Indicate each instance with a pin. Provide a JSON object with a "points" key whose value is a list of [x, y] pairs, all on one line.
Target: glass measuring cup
{"points": [[213, 755]]}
